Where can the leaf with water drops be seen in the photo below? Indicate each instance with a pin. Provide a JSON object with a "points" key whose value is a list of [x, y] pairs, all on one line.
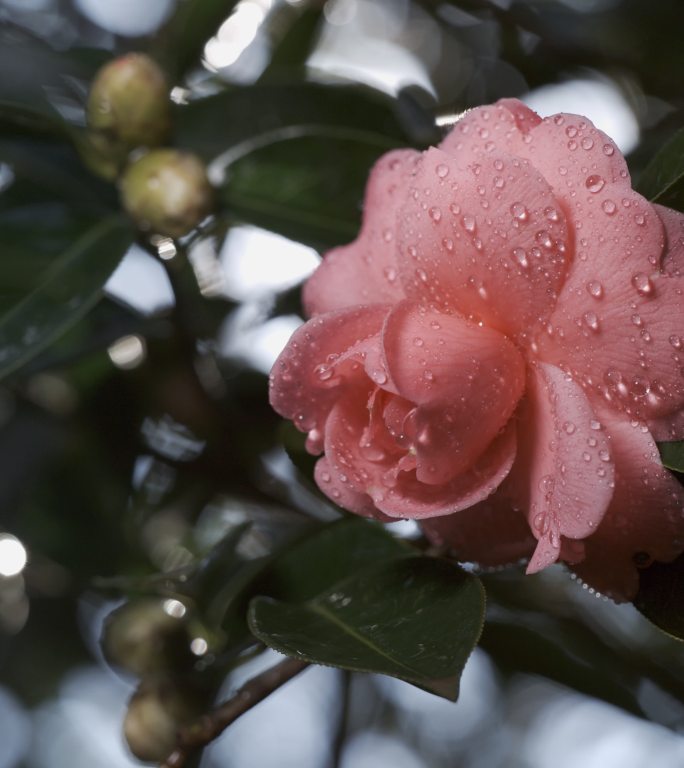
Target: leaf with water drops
{"points": [[415, 618], [661, 596], [663, 178]]}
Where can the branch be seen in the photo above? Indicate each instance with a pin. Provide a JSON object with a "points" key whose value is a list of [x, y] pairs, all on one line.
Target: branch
{"points": [[212, 725]]}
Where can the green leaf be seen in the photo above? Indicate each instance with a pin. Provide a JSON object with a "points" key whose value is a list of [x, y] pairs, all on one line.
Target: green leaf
{"points": [[672, 455], [41, 86], [63, 293], [300, 189], [661, 596], [662, 181], [244, 119], [180, 42], [415, 618]]}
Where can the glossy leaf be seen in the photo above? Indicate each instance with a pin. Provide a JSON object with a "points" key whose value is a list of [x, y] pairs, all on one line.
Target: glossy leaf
{"points": [[672, 455], [244, 119], [415, 618], [663, 178], [299, 189], [41, 88], [661, 596], [180, 42], [63, 293]]}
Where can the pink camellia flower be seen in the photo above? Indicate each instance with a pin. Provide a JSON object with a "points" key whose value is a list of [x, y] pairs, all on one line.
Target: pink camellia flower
{"points": [[498, 350]]}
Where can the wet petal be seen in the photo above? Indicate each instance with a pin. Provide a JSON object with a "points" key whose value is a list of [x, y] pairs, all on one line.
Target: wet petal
{"points": [[493, 532], [319, 361], [644, 520], [565, 472], [465, 380], [408, 497], [482, 238], [673, 253], [501, 127], [365, 271]]}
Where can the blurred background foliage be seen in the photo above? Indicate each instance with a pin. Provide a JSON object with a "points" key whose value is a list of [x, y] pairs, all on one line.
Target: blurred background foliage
{"points": [[142, 462]]}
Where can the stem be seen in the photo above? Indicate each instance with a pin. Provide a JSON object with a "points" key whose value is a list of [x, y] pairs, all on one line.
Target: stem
{"points": [[212, 725]]}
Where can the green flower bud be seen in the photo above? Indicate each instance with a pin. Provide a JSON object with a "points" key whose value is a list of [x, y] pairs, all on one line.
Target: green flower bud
{"points": [[143, 638], [156, 712], [166, 192], [129, 103]]}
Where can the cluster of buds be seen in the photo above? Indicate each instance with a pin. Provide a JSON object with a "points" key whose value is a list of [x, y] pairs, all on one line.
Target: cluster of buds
{"points": [[165, 191], [143, 638]]}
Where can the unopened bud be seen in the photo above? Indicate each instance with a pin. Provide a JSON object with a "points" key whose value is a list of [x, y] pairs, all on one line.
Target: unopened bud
{"points": [[156, 713], [166, 192], [143, 638], [129, 103]]}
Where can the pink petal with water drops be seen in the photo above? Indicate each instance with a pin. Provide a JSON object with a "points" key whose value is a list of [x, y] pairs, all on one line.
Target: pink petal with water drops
{"points": [[320, 360], [575, 157], [493, 532], [619, 324], [466, 381], [365, 271], [481, 239], [673, 253], [328, 480], [564, 474], [501, 127], [644, 520], [410, 498]]}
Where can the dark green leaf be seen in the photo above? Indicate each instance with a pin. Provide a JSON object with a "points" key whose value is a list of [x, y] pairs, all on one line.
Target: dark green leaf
{"points": [[41, 88], [661, 596], [63, 293], [300, 189], [672, 455], [415, 618], [663, 178], [180, 43], [245, 119]]}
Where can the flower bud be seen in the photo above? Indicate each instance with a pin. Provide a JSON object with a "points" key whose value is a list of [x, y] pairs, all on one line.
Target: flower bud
{"points": [[156, 712], [129, 103], [143, 638], [166, 192]]}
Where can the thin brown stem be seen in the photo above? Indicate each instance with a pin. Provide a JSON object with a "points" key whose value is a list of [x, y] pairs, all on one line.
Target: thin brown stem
{"points": [[212, 725]]}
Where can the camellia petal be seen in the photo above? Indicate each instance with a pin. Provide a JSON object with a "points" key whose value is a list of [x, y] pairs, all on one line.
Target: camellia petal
{"points": [[501, 127], [564, 468], [466, 381], [365, 271], [673, 253], [318, 362], [645, 520], [476, 239]]}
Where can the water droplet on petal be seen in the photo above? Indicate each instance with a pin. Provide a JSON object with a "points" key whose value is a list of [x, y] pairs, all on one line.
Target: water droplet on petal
{"points": [[676, 342], [609, 207], [569, 427], [418, 342], [520, 257], [428, 375], [435, 214], [595, 289], [390, 273], [469, 224], [594, 183], [643, 284], [591, 321], [608, 150], [442, 171], [519, 212], [587, 143], [387, 235]]}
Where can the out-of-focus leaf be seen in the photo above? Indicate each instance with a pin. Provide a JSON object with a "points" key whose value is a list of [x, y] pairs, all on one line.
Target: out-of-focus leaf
{"points": [[300, 189], [63, 293], [289, 58], [180, 42], [672, 455], [241, 120], [415, 618], [662, 181], [41, 88], [661, 596]]}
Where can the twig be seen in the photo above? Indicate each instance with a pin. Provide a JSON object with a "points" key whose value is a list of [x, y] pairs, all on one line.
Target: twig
{"points": [[212, 725]]}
